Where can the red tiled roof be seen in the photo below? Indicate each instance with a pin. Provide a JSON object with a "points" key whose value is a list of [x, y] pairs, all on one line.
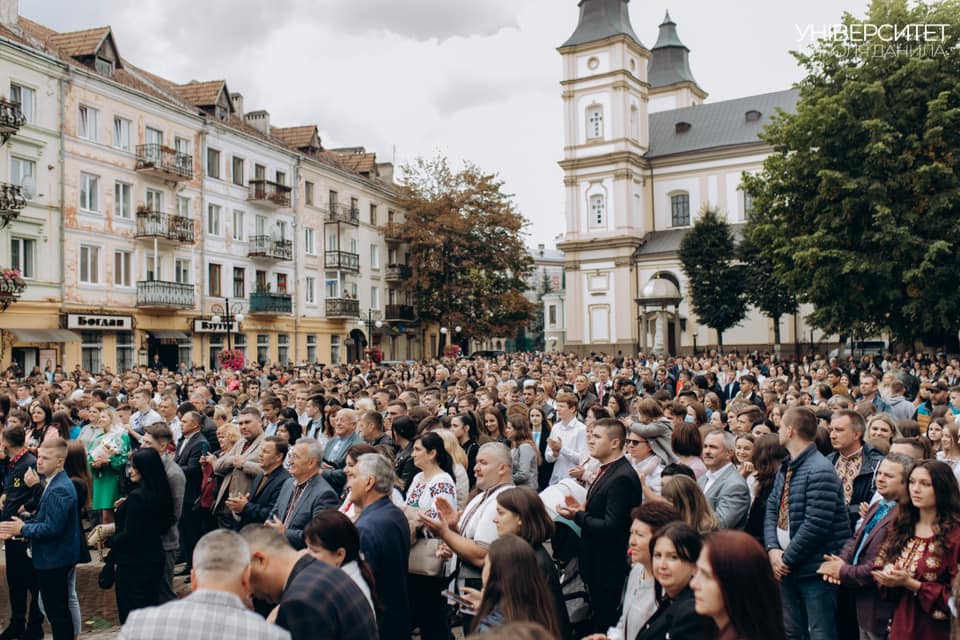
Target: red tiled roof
{"points": [[360, 162], [296, 137], [201, 94], [79, 43]]}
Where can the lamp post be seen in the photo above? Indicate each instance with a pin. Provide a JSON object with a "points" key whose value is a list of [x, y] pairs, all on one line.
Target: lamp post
{"points": [[453, 340], [227, 313], [370, 323]]}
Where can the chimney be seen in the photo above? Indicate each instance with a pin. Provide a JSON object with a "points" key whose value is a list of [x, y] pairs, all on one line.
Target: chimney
{"points": [[259, 120], [385, 171], [235, 98], [9, 13]]}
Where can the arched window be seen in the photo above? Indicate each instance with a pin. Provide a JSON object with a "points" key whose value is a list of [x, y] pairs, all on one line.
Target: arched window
{"points": [[680, 210], [598, 212], [594, 122]]}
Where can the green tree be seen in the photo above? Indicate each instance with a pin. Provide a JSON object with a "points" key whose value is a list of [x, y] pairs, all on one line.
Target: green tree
{"points": [[763, 288], [858, 208], [465, 241], [717, 288]]}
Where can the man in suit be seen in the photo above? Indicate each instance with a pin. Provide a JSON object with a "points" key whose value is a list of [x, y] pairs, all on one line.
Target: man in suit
{"points": [[316, 600], [730, 391], [215, 610], [722, 484], [852, 567], [304, 495], [255, 507], [335, 453], [585, 395], [54, 535], [384, 541], [189, 450], [240, 465], [605, 521]]}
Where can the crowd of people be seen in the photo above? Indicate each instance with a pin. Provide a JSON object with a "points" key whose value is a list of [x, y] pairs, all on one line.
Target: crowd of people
{"points": [[536, 495]]}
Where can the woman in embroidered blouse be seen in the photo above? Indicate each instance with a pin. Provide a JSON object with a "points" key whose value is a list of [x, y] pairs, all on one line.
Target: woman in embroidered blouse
{"points": [[918, 561]]}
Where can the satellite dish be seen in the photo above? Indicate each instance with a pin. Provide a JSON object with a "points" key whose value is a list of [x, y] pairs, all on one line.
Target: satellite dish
{"points": [[29, 187]]}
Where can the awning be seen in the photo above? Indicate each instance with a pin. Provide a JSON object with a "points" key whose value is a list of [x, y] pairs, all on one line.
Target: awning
{"points": [[45, 335], [169, 335]]}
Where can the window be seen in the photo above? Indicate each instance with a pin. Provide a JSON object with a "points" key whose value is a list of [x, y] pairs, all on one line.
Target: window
{"points": [[184, 159], [23, 256], [183, 206], [214, 272], [122, 272], [87, 123], [216, 346], [373, 214], [259, 172], [354, 245], [91, 346], [213, 220], [335, 349], [308, 193], [312, 348], [680, 210], [375, 256], [355, 206], [153, 137], [154, 267], [260, 226], [261, 280], [332, 286], [281, 283], [240, 343], [89, 264], [154, 200], [124, 351], [351, 288], [213, 163], [103, 66], [263, 347], [747, 204], [20, 169], [89, 193], [26, 98], [309, 241], [122, 200], [598, 212], [374, 297], [121, 133], [310, 290], [332, 198], [283, 348], [333, 242], [237, 170], [282, 229], [238, 225], [181, 270], [185, 350], [239, 282], [594, 122], [281, 177], [552, 321], [634, 123]]}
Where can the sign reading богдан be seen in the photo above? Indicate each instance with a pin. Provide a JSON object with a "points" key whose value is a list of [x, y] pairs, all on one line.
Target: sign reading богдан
{"points": [[89, 322], [209, 326]]}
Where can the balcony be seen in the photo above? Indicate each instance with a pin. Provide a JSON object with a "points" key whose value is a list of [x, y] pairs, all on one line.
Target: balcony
{"points": [[342, 308], [269, 194], [154, 224], [266, 247], [341, 260], [400, 313], [11, 119], [264, 302], [170, 295], [343, 213], [393, 232], [397, 273], [11, 203], [164, 163]]}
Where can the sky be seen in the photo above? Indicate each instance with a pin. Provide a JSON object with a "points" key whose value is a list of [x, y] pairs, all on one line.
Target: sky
{"points": [[474, 80]]}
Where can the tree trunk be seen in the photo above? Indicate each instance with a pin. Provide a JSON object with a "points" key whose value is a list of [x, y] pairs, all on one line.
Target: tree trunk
{"points": [[719, 342], [776, 336]]}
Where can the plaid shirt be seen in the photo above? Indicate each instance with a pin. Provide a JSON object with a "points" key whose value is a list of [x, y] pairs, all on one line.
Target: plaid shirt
{"points": [[321, 602], [203, 615]]}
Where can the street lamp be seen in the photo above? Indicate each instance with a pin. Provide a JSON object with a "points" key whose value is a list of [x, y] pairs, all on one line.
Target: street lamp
{"points": [[370, 323], [227, 313]]}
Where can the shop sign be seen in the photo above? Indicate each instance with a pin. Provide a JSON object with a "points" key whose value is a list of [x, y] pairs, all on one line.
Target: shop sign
{"points": [[209, 326], [88, 322]]}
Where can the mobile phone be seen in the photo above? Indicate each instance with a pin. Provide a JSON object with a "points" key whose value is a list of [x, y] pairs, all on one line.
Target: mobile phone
{"points": [[204, 447], [456, 597]]}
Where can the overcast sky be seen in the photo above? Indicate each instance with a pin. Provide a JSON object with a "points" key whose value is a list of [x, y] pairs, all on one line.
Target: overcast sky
{"points": [[472, 79]]}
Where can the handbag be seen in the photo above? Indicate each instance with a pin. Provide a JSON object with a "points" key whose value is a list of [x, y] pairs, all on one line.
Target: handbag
{"points": [[424, 560], [108, 574]]}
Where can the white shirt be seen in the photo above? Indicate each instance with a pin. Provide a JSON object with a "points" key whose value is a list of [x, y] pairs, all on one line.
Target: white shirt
{"points": [[713, 475], [573, 439]]}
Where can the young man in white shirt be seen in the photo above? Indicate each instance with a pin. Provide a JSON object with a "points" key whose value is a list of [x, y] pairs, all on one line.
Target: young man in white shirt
{"points": [[568, 438]]}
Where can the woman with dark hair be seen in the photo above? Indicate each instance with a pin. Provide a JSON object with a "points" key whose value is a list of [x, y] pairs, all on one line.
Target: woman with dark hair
{"points": [[768, 454], [513, 589], [696, 414], [687, 444], [137, 548], [918, 561], [492, 424], [290, 430], [464, 427], [403, 430], [523, 451], [41, 426], [520, 512], [674, 550], [617, 406], [334, 540], [735, 587], [63, 423]]}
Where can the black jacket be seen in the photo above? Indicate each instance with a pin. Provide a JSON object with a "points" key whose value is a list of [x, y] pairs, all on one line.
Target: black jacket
{"points": [[141, 524], [17, 492], [188, 459], [605, 525], [262, 501], [676, 618]]}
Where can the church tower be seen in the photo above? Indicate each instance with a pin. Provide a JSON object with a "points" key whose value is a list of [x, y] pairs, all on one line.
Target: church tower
{"points": [[605, 96], [672, 85]]}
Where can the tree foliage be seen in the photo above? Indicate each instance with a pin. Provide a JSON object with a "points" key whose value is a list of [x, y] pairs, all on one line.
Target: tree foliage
{"points": [[465, 239], [764, 289], [717, 288], [858, 208]]}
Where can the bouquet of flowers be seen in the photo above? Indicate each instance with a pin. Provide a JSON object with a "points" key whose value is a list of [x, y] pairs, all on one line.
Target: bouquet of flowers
{"points": [[231, 359], [110, 445], [451, 351]]}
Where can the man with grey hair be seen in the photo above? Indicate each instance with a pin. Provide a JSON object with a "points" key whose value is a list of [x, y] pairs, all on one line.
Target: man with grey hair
{"points": [[384, 540], [470, 532], [303, 495], [217, 608], [335, 453], [722, 484]]}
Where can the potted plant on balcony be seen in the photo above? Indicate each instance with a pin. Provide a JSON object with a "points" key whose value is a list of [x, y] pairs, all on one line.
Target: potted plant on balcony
{"points": [[12, 285]]}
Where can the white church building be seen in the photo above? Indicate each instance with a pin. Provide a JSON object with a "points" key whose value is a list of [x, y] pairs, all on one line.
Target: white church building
{"points": [[643, 153]]}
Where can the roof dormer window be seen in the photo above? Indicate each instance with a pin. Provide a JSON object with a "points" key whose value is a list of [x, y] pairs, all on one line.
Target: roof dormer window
{"points": [[103, 66]]}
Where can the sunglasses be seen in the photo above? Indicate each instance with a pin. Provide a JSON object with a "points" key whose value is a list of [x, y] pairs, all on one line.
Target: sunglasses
{"points": [[633, 442]]}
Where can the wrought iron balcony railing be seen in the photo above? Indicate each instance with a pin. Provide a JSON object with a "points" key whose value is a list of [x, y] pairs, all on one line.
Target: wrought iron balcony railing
{"points": [[157, 293], [344, 213], [265, 302], [400, 313], [397, 272], [154, 224], [266, 247], [272, 194], [164, 162], [12, 203], [11, 118], [342, 308], [342, 260], [393, 232]]}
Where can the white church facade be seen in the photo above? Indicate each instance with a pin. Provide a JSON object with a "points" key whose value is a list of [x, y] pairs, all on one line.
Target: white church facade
{"points": [[643, 154]]}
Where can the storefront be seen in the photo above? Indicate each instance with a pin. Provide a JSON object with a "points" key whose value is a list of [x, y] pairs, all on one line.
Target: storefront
{"points": [[106, 342]]}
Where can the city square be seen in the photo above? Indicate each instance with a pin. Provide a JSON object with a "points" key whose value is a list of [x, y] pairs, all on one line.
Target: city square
{"points": [[455, 318]]}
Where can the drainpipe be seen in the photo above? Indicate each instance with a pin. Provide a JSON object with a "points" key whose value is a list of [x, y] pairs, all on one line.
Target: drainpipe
{"points": [[296, 264], [203, 242], [61, 224]]}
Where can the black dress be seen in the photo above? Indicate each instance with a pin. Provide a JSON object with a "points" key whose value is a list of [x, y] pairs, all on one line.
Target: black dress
{"points": [[676, 618], [757, 509]]}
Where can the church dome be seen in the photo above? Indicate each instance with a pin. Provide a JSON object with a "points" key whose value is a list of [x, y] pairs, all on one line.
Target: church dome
{"points": [[660, 291]]}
